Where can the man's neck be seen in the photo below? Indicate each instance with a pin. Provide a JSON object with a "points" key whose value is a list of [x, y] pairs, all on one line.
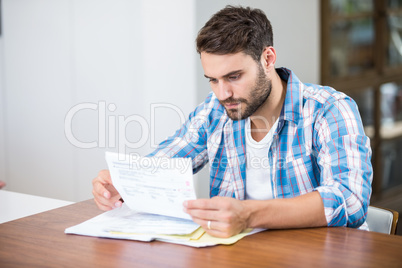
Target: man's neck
{"points": [[264, 118]]}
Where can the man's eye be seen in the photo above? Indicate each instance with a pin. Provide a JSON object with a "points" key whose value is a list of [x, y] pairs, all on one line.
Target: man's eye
{"points": [[234, 77], [212, 80]]}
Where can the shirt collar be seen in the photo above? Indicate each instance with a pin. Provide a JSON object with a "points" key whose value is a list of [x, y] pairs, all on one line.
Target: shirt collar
{"points": [[292, 107]]}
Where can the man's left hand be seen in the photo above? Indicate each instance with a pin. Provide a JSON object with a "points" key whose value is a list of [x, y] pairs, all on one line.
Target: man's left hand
{"points": [[226, 216]]}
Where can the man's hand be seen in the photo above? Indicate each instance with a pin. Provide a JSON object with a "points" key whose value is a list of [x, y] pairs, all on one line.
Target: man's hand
{"points": [[106, 196], [227, 216]]}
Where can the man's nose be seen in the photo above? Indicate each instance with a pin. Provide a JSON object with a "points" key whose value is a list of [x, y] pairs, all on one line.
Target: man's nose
{"points": [[224, 90]]}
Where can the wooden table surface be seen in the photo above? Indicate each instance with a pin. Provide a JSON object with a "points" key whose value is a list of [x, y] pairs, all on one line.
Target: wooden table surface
{"points": [[39, 241]]}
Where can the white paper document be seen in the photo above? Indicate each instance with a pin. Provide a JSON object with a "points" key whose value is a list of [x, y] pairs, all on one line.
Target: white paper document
{"points": [[118, 222], [153, 185], [123, 223]]}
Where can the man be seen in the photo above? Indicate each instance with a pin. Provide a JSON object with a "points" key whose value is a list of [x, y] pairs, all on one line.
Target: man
{"points": [[282, 154]]}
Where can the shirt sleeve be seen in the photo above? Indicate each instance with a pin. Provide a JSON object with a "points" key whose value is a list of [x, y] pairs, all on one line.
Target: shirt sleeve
{"points": [[191, 139], [344, 158]]}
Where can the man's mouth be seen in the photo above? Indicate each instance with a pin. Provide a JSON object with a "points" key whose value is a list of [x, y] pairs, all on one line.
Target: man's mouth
{"points": [[232, 105]]}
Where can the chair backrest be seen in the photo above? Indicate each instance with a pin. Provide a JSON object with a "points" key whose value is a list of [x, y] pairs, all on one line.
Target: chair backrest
{"points": [[382, 220]]}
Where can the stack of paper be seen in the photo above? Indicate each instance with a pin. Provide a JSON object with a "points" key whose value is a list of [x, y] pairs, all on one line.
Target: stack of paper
{"points": [[153, 190], [124, 223]]}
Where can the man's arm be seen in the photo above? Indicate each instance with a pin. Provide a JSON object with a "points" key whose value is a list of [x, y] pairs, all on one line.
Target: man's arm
{"points": [[229, 216], [344, 158]]}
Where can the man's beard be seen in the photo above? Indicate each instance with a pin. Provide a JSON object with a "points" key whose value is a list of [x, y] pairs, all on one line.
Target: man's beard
{"points": [[258, 96]]}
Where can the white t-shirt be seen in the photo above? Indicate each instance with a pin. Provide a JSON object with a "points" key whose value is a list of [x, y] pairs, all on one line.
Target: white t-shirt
{"points": [[258, 182]]}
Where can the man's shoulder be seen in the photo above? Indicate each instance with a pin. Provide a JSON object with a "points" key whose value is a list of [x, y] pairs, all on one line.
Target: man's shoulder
{"points": [[326, 101], [309, 91], [323, 95]]}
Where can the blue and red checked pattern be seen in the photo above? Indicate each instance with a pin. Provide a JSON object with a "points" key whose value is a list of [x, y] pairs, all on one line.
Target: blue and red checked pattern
{"points": [[319, 145]]}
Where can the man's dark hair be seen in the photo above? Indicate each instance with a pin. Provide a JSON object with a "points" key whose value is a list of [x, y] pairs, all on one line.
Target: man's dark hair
{"points": [[236, 29]]}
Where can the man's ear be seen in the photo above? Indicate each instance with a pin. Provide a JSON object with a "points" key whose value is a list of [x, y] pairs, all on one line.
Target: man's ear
{"points": [[268, 59]]}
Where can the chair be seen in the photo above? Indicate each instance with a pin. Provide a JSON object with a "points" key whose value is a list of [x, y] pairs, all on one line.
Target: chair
{"points": [[382, 220]]}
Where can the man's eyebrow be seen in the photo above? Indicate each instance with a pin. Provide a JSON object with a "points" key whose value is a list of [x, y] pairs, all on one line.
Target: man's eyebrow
{"points": [[226, 75]]}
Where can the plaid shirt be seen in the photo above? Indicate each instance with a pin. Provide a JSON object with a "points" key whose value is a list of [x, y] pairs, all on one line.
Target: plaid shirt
{"points": [[319, 145]]}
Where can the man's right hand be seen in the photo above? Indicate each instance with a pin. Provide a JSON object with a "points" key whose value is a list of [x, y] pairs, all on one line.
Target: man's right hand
{"points": [[106, 196]]}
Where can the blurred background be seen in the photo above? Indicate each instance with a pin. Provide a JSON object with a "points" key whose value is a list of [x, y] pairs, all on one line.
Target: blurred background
{"points": [[81, 77], [361, 54]]}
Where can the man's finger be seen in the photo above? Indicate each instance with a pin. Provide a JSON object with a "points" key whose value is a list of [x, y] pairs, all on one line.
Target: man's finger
{"points": [[104, 177], [100, 189], [203, 214], [216, 228], [210, 204], [102, 206]]}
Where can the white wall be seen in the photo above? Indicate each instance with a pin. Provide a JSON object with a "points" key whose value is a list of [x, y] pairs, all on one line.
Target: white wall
{"points": [[2, 116], [130, 54], [37, 94], [58, 54]]}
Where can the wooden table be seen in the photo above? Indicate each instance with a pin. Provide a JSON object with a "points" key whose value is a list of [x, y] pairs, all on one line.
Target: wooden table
{"points": [[39, 241]]}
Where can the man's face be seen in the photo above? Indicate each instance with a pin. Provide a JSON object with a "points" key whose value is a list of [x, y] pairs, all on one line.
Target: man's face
{"points": [[239, 82]]}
